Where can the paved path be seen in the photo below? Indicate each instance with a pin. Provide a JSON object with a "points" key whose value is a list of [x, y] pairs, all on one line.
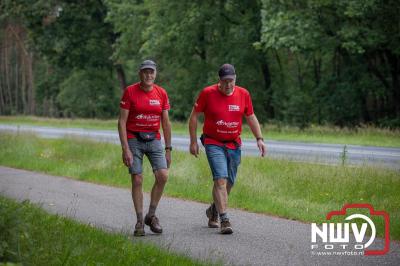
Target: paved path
{"points": [[297, 151], [257, 240]]}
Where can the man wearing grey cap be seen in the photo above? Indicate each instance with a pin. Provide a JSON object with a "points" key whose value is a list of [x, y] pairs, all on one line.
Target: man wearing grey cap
{"points": [[143, 107], [223, 104]]}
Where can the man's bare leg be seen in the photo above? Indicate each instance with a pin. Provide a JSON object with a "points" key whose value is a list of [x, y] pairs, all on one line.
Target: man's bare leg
{"points": [[221, 202], [220, 195], [161, 177], [137, 195], [228, 191], [137, 198]]}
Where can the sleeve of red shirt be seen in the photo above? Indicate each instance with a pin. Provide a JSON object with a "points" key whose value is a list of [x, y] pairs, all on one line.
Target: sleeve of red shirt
{"points": [[200, 103], [249, 105], [125, 103], [166, 105]]}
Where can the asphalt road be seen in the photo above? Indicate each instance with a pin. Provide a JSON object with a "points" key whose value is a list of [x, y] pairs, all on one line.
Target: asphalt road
{"points": [[257, 239], [297, 151]]}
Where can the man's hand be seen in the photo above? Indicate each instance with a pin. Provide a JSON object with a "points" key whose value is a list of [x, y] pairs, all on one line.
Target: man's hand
{"points": [[168, 157], [194, 148], [127, 157], [262, 147]]}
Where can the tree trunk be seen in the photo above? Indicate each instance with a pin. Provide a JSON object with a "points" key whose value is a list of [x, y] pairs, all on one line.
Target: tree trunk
{"points": [[121, 76], [383, 104], [31, 85], [317, 76], [2, 103], [16, 80], [267, 79], [6, 72], [299, 74], [23, 85], [395, 72], [2, 85], [375, 71]]}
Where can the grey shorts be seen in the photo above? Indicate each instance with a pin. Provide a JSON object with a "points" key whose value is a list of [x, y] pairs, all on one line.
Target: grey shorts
{"points": [[152, 149]]}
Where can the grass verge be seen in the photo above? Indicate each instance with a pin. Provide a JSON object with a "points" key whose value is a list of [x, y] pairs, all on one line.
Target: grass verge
{"points": [[30, 236], [300, 191], [363, 135]]}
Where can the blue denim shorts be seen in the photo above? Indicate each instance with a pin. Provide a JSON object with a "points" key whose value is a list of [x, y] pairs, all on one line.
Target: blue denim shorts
{"points": [[223, 162], [152, 149]]}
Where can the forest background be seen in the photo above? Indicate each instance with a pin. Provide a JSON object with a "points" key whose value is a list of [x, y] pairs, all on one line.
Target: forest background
{"points": [[326, 62]]}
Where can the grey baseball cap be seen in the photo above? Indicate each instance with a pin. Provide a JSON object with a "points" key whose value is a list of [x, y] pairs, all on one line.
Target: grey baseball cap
{"points": [[148, 64], [227, 71]]}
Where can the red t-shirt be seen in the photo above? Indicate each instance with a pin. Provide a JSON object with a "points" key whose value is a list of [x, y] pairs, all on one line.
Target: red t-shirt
{"points": [[145, 108], [223, 114]]}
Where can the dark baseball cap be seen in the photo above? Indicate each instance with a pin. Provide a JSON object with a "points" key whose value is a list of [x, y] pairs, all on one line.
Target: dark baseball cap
{"points": [[226, 71], [148, 64]]}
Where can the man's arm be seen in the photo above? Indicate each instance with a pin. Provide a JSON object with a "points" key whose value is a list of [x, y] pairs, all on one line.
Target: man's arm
{"points": [[166, 127], [127, 156], [194, 146], [252, 121]]}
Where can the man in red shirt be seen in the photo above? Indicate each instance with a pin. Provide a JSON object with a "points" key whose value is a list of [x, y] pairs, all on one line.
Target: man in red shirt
{"points": [[143, 106], [223, 104]]}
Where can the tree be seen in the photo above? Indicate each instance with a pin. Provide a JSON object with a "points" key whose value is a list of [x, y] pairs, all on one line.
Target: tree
{"points": [[189, 41], [345, 47], [69, 36], [88, 93]]}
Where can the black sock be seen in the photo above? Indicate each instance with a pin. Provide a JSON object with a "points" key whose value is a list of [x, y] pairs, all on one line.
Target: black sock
{"points": [[223, 216]]}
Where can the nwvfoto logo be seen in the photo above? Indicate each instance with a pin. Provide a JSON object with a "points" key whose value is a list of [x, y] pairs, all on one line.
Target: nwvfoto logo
{"points": [[337, 235]]}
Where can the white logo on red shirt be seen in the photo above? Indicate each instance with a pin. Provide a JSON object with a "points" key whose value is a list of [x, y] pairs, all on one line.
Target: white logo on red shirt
{"points": [[233, 107], [146, 125], [154, 102], [227, 124], [122, 102], [147, 117]]}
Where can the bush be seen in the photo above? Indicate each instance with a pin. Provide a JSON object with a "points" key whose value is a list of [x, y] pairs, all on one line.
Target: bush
{"points": [[391, 123], [89, 93]]}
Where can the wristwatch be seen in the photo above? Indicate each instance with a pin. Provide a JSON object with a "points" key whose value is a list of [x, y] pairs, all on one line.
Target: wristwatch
{"points": [[168, 148], [259, 139]]}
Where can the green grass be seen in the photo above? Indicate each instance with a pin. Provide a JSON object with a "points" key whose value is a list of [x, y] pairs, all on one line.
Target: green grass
{"points": [[76, 123], [363, 135], [30, 236], [299, 191]]}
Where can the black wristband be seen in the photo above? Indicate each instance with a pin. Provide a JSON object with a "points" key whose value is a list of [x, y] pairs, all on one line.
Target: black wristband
{"points": [[260, 138], [168, 148]]}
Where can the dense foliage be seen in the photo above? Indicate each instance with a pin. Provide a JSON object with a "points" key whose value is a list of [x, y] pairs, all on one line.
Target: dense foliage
{"points": [[306, 61]]}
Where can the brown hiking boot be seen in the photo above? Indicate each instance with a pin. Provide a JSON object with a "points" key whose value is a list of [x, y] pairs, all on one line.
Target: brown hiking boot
{"points": [[226, 228], [139, 229], [154, 224], [212, 215]]}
